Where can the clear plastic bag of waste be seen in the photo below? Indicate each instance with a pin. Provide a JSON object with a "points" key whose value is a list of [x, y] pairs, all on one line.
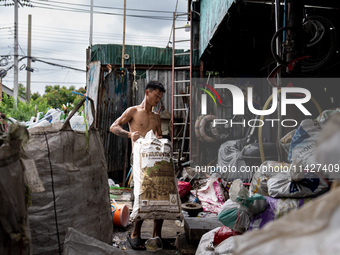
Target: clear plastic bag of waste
{"points": [[154, 244]]}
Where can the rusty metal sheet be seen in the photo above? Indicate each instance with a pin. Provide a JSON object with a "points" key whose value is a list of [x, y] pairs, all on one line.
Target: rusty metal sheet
{"points": [[114, 98]]}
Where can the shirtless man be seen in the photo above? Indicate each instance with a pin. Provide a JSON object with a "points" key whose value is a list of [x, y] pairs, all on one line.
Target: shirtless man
{"points": [[141, 120]]}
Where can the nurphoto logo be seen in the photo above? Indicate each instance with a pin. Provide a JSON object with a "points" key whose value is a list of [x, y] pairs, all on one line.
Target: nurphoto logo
{"points": [[238, 106]]}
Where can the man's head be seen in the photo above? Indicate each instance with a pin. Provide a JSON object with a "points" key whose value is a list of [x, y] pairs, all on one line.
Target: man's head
{"points": [[154, 92], [153, 85]]}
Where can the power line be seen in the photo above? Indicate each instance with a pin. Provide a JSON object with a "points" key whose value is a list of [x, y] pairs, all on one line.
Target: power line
{"points": [[100, 35], [49, 63], [63, 60], [59, 53], [38, 57], [63, 82], [62, 8], [107, 7], [167, 45], [50, 30], [85, 43], [82, 38], [58, 29], [47, 50], [3, 28]]}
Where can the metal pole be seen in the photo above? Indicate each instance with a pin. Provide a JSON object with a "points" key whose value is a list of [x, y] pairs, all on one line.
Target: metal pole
{"points": [[91, 23], [28, 78], [15, 89], [277, 26], [278, 80], [123, 48]]}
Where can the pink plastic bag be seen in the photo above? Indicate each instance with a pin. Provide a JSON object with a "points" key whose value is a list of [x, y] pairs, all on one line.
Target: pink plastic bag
{"points": [[211, 195], [184, 189]]}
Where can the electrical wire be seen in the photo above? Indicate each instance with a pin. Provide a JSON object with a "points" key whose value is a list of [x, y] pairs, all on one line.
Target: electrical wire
{"points": [[55, 64], [62, 8], [55, 35], [106, 7], [60, 59], [49, 82], [163, 49], [55, 39], [9, 27], [49, 63], [82, 40], [53, 59], [42, 30], [277, 58], [309, 65]]}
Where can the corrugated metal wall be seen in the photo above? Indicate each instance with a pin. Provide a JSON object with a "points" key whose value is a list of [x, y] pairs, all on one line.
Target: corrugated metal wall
{"points": [[114, 98], [138, 55], [164, 77]]}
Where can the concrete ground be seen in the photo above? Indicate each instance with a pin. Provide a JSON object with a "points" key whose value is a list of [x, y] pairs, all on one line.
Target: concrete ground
{"points": [[169, 232]]}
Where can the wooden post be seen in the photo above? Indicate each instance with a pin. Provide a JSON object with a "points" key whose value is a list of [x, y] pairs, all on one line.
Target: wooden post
{"points": [[123, 47]]}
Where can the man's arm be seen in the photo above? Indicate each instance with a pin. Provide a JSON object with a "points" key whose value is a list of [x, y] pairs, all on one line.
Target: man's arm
{"points": [[126, 117]]}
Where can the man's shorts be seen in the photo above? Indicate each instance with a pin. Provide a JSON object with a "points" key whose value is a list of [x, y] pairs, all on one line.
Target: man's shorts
{"points": [[131, 163], [132, 197]]}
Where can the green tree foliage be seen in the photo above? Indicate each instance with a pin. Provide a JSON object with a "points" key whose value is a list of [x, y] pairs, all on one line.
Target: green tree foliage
{"points": [[22, 90], [54, 97], [57, 96], [24, 111], [35, 95]]}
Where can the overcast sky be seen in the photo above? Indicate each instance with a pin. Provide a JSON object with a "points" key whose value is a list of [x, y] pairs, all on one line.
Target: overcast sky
{"points": [[60, 34]]}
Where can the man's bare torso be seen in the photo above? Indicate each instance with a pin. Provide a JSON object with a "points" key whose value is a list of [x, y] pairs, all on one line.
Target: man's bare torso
{"points": [[143, 121]]}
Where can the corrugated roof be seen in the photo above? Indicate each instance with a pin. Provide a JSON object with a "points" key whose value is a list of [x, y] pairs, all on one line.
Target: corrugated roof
{"points": [[140, 55]]}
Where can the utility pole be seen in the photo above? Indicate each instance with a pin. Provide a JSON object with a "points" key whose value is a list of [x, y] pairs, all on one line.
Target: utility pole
{"points": [[88, 51], [123, 48], [91, 23], [16, 32], [28, 79]]}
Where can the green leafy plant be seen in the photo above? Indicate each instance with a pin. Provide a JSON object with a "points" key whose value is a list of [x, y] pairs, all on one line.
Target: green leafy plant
{"points": [[54, 97]]}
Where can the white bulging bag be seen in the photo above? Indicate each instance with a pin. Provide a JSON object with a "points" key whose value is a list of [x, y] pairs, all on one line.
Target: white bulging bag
{"points": [[155, 184]]}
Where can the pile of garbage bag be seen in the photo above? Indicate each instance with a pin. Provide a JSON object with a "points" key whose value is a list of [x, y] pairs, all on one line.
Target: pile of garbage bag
{"points": [[281, 194]]}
